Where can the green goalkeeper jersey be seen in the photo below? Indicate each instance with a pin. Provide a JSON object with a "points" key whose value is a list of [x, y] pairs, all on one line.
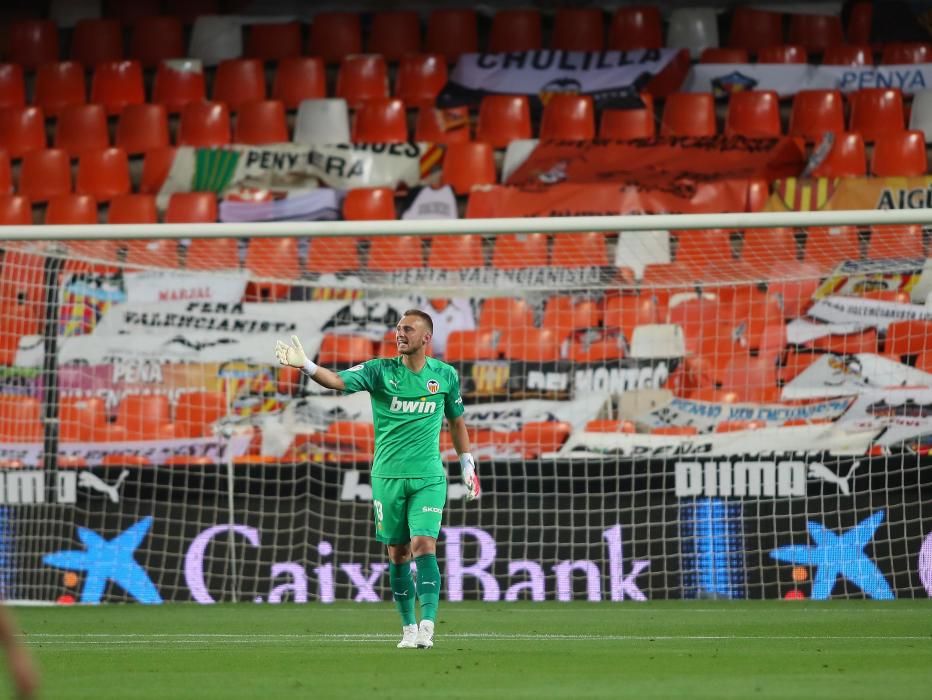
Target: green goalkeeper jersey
{"points": [[407, 409]]}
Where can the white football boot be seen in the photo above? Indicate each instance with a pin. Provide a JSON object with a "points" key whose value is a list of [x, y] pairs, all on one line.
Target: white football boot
{"points": [[425, 635], [408, 637]]}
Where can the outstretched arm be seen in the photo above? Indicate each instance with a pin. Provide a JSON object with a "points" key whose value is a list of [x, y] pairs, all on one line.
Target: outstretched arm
{"points": [[294, 356]]}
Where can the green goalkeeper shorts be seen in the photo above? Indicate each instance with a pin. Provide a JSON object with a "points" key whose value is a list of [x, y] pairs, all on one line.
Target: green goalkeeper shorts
{"points": [[407, 507]]}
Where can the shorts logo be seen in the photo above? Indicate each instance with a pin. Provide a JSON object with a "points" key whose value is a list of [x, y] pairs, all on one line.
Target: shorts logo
{"points": [[428, 509], [433, 386]]}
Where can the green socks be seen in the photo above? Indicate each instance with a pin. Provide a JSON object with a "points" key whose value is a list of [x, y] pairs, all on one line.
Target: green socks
{"points": [[428, 585], [399, 576]]}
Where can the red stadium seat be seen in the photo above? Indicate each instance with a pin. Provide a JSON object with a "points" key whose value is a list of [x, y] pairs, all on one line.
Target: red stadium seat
{"points": [[103, 174], [393, 254], [503, 119], [97, 40], [846, 158], [452, 32], [715, 54], [145, 417], [273, 41], [608, 425], [888, 242], [578, 29], [442, 125], [369, 204], [238, 81], [395, 33], [6, 174], [568, 117], [156, 39], [625, 124], [564, 315], [380, 120], [178, 84], [899, 154], [204, 124], [752, 379], [82, 128], [468, 164], [816, 32], [828, 246], [784, 53], [142, 128], [848, 55], [731, 426], [704, 248], [529, 344], [876, 111], [160, 252], [299, 78], [328, 255], [197, 411], [155, 167], [456, 252], [635, 28], [12, 86], [15, 210], [81, 419], [896, 52], [860, 19], [675, 430], [335, 35], [20, 419], [515, 30], [865, 341], [22, 129], [212, 253], [816, 112], [579, 250], [261, 122], [470, 345], [696, 317], [753, 29], [362, 77], [32, 43], [420, 78], [276, 258], [498, 313], [753, 113], [133, 209], [763, 248], [689, 114], [627, 311], [117, 84], [909, 337], [192, 207], [71, 209], [45, 174], [539, 437], [59, 85], [518, 250], [340, 349]]}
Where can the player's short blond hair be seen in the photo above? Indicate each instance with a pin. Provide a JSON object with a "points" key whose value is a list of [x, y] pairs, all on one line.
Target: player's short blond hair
{"points": [[424, 316]]}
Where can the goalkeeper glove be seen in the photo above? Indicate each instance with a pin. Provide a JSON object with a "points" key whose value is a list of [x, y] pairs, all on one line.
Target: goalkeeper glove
{"points": [[470, 477], [294, 356]]}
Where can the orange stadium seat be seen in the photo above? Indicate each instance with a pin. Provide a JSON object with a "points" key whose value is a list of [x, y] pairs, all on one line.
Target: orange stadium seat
{"points": [[635, 28], [81, 419], [848, 55], [517, 250], [754, 29], [328, 255], [762, 248], [452, 32], [155, 167], [896, 242], [456, 252], [563, 314], [468, 164], [351, 436], [625, 124], [529, 344], [82, 128], [828, 246], [59, 85], [71, 209], [899, 154], [865, 341], [543, 436], [237, 81], [145, 417], [704, 248], [261, 122], [393, 254], [193, 207], [33, 42], [515, 30], [395, 33], [578, 29], [689, 114], [724, 54], [753, 113], [161, 252], [420, 78], [815, 112], [204, 124], [335, 35], [442, 125], [175, 87], [924, 362], [909, 337], [503, 119], [675, 430], [369, 204], [6, 174], [816, 32], [12, 86], [876, 111], [273, 41], [568, 117], [470, 345], [299, 78], [142, 128], [20, 419], [213, 253], [22, 129], [609, 425], [15, 210], [45, 174], [197, 411], [380, 120], [783, 53], [155, 39], [133, 209], [103, 174], [795, 363], [627, 311], [899, 52], [731, 426], [343, 349], [600, 351], [274, 258], [579, 250], [752, 379], [96, 40], [117, 84], [362, 77], [846, 158], [499, 313]]}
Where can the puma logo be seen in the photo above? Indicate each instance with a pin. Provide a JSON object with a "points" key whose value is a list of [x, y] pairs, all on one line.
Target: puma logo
{"points": [[403, 594], [95, 483], [820, 471], [429, 583]]}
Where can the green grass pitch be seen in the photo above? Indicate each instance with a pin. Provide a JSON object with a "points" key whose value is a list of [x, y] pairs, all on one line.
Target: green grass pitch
{"points": [[673, 649]]}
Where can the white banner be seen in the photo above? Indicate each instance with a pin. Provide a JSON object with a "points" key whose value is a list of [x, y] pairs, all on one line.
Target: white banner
{"points": [[841, 315], [843, 375], [905, 413], [158, 287], [801, 439], [786, 79], [510, 416]]}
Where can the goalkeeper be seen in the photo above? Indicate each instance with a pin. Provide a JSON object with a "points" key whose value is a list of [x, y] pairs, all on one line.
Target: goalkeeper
{"points": [[410, 393]]}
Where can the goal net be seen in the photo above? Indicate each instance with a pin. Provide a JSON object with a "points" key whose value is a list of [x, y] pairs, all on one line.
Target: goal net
{"points": [[676, 413]]}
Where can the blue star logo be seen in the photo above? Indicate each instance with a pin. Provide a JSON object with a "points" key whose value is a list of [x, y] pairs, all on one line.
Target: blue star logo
{"points": [[840, 554], [109, 560]]}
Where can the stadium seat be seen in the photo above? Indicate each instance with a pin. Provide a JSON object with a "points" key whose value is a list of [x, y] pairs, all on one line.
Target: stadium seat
{"points": [[609, 425], [909, 337], [369, 204], [45, 174], [343, 350], [828, 246], [452, 32], [515, 30], [753, 29], [579, 250], [470, 345], [353, 437], [322, 121], [273, 41], [133, 209], [627, 311], [20, 419], [752, 379], [897, 52], [442, 125], [529, 344], [117, 84], [783, 53], [237, 81], [920, 114], [6, 174], [860, 19], [888, 242], [12, 86], [59, 85], [568, 117], [635, 27], [177, 83], [103, 174], [211, 253], [197, 411], [22, 129], [81, 419], [875, 111], [696, 316], [299, 78], [692, 28], [717, 54], [335, 35], [275, 258], [145, 416], [148, 252], [704, 248], [362, 77], [155, 167], [71, 209], [794, 363], [420, 78], [816, 112], [142, 128], [848, 55], [540, 437], [899, 154], [261, 122], [394, 34], [468, 164], [32, 42], [329, 255], [815, 32], [564, 315], [502, 119], [396, 253], [845, 159], [204, 124], [675, 430], [625, 124], [456, 252], [380, 120], [81, 128], [192, 207], [924, 362], [689, 114], [156, 39], [763, 248], [850, 343], [518, 250], [754, 113], [578, 29], [498, 313], [97, 40], [731, 426], [600, 351]]}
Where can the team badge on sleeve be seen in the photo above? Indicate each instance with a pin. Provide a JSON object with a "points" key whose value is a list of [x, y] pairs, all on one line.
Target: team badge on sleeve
{"points": [[433, 386]]}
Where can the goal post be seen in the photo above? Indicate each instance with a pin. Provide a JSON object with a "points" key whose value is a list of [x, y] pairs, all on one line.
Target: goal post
{"points": [[664, 406]]}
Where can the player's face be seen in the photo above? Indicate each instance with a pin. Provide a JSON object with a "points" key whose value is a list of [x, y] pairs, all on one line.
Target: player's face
{"points": [[411, 335]]}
